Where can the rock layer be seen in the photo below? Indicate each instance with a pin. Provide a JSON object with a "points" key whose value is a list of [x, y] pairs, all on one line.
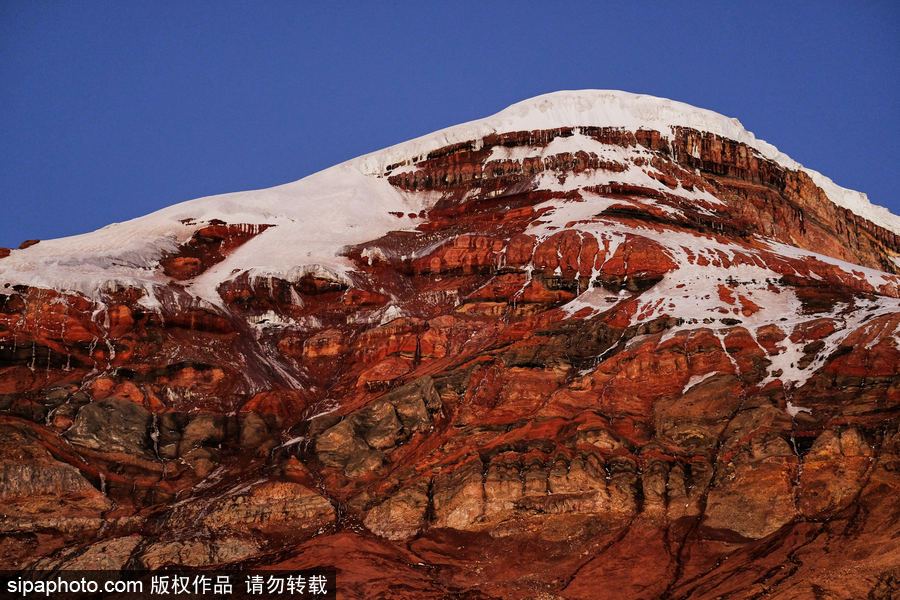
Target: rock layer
{"points": [[605, 363]]}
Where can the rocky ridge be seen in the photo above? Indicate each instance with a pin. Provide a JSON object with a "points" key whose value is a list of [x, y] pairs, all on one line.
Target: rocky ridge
{"points": [[599, 345]]}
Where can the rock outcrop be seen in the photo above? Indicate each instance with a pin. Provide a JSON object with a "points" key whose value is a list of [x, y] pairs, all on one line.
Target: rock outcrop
{"points": [[591, 360]]}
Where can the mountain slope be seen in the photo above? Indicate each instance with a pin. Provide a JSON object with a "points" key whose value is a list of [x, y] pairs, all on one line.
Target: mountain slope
{"points": [[612, 336]]}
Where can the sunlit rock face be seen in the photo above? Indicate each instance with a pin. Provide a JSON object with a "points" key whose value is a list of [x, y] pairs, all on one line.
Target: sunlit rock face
{"points": [[596, 346]]}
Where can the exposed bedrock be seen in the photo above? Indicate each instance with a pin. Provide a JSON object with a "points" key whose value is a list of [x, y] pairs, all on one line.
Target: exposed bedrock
{"points": [[595, 363]]}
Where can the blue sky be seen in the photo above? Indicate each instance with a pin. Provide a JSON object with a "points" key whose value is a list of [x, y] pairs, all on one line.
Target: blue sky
{"points": [[110, 110]]}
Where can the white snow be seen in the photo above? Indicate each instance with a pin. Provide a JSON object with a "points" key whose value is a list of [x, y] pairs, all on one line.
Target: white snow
{"points": [[690, 292], [613, 108], [697, 380], [632, 175], [313, 219], [293, 441], [558, 213], [389, 313], [795, 410], [269, 319]]}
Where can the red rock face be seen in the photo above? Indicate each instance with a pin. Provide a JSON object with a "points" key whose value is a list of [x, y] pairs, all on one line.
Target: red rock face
{"points": [[633, 389], [208, 246]]}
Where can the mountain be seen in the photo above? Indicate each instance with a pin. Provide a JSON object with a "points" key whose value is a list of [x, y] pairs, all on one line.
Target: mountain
{"points": [[598, 345]]}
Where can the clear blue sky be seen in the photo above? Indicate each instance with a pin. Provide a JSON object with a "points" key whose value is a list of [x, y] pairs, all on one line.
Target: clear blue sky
{"points": [[110, 110]]}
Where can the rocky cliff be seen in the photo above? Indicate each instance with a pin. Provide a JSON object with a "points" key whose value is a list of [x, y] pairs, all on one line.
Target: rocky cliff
{"points": [[596, 346]]}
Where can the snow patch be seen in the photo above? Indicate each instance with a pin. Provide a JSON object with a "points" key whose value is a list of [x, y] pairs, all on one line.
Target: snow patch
{"points": [[697, 380], [613, 108], [311, 221], [796, 410]]}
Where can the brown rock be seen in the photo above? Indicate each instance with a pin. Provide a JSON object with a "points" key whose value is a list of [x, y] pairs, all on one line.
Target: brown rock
{"points": [[112, 425], [272, 507], [459, 496], [197, 552], [833, 472], [36, 487], [402, 515], [339, 446], [752, 494], [105, 555]]}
